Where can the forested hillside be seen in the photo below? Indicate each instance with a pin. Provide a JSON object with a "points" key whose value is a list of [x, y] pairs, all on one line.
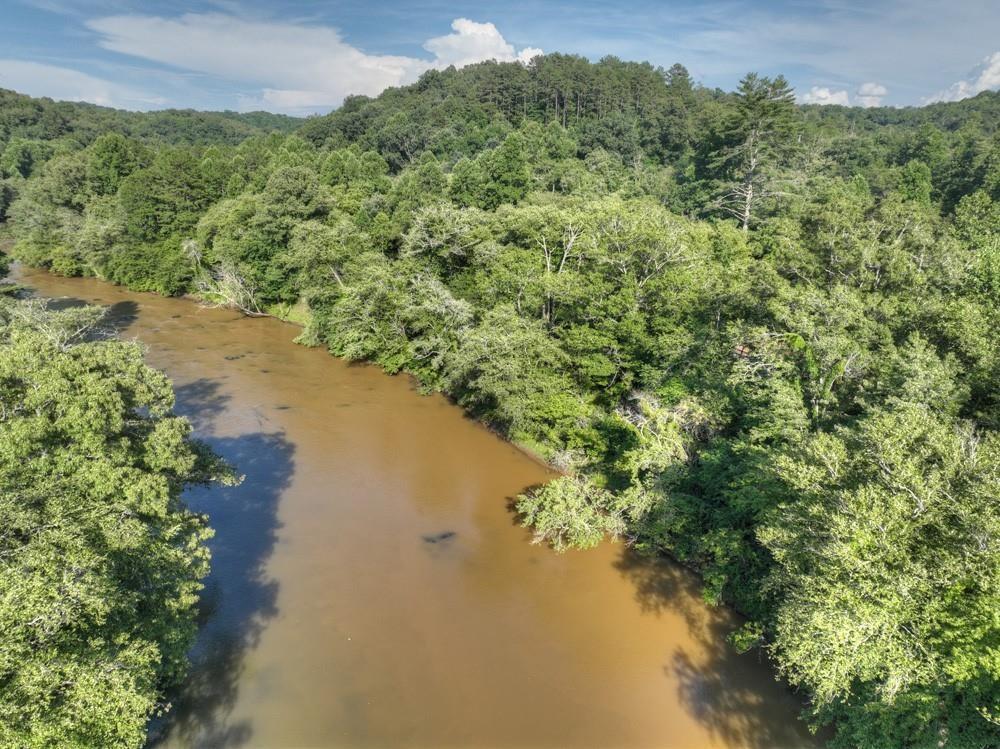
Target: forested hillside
{"points": [[757, 337], [34, 130]]}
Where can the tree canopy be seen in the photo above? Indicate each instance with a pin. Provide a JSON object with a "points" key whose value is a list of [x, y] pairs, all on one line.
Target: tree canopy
{"points": [[753, 335], [100, 561]]}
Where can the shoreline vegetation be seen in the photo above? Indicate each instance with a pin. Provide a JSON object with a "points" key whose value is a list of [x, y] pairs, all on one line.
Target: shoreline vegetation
{"points": [[752, 335], [101, 561]]}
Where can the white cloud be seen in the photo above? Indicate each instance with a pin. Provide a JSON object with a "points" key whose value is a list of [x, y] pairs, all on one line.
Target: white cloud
{"points": [[988, 78], [473, 42], [824, 95], [71, 85], [871, 94], [292, 67], [528, 54]]}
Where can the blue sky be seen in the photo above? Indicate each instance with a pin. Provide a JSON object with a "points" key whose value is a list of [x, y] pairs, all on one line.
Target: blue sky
{"points": [[301, 57]]}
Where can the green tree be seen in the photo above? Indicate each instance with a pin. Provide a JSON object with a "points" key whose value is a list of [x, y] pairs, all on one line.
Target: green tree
{"points": [[466, 183], [888, 563], [22, 157], [915, 182], [506, 175], [112, 158], [757, 140], [166, 198], [511, 373], [570, 512], [100, 561]]}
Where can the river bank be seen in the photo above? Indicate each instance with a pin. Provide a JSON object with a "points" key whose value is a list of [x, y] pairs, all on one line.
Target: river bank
{"points": [[370, 587]]}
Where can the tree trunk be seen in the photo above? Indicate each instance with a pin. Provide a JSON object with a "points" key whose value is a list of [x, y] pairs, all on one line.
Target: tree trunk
{"points": [[747, 205]]}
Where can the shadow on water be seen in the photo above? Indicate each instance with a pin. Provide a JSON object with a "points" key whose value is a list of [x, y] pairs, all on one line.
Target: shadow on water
{"points": [[725, 691], [121, 315], [239, 597], [202, 402], [118, 316]]}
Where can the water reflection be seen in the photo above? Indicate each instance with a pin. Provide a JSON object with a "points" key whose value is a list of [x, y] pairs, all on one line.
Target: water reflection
{"points": [[202, 402], [121, 315], [721, 689], [239, 597]]}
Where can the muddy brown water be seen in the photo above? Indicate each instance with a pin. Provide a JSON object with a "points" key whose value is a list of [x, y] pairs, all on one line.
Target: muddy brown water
{"points": [[370, 587]]}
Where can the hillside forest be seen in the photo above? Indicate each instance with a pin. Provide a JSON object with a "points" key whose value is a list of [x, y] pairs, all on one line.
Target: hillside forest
{"points": [[755, 336]]}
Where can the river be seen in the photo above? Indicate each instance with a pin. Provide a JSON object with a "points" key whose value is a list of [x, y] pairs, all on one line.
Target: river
{"points": [[370, 587]]}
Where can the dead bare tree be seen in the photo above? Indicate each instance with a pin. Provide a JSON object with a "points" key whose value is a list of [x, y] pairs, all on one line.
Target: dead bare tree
{"points": [[224, 286]]}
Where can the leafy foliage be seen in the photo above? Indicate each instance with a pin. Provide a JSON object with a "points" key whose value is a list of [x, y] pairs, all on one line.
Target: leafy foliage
{"points": [[100, 561], [756, 336]]}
